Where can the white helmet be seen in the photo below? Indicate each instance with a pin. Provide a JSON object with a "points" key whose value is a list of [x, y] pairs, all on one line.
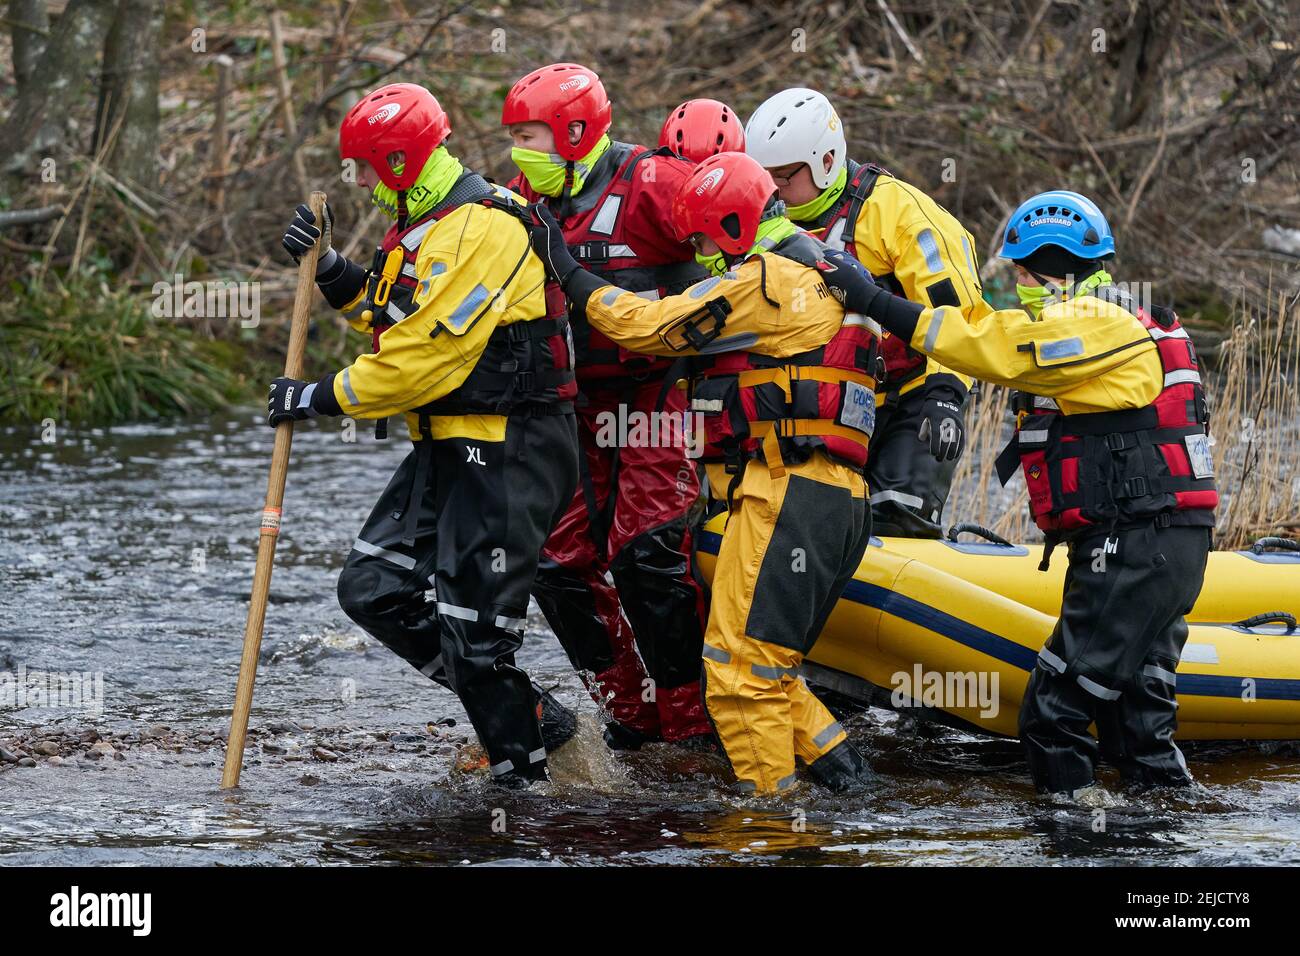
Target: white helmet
{"points": [[797, 126]]}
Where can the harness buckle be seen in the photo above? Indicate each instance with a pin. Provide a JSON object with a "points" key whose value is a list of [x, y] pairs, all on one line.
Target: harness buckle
{"points": [[595, 251], [1116, 441], [525, 382], [1136, 487], [1164, 519]]}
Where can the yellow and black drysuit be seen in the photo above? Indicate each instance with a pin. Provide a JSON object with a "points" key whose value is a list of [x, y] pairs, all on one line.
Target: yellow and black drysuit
{"points": [[476, 351], [916, 249], [783, 381], [1113, 442]]}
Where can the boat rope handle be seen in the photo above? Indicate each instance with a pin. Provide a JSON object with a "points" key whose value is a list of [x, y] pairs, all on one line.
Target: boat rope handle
{"points": [[1270, 617], [983, 532], [1282, 544]]}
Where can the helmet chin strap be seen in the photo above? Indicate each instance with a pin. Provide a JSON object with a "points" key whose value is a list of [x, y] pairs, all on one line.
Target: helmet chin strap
{"points": [[1050, 284], [566, 191]]}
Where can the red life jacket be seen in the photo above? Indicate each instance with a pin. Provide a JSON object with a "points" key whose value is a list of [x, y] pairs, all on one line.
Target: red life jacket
{"points": [[528, 362], [606, 242], [788, 406], [1125, 466], [836, 227]]}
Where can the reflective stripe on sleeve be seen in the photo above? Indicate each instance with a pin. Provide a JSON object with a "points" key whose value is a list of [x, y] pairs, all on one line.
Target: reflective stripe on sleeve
{"points": [[347, 387], [468, 307], [933, 261], [932, 333]]}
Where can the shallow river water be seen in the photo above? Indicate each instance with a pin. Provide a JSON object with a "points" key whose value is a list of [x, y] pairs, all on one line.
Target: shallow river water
{"points": [[128, 554]]}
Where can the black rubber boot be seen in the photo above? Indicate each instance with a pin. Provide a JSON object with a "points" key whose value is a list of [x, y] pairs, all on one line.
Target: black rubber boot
{"points": [[559, 724], [842, 769], [619, 737], [700, 743]]}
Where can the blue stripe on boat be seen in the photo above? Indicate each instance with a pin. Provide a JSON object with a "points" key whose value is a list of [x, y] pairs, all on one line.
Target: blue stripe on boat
{"points": [[1017, 655]]}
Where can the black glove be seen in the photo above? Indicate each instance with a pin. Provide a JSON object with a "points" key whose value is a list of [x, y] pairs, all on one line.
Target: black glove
{"points": [[941, 418], [848, 280], [302, 234], [857, 291], [289, 401], [547, 240]]}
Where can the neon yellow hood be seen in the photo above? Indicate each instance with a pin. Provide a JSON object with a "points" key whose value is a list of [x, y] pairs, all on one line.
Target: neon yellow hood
{"points": [[1035, 297], [545, 171], [770, 232], [435, 181], [815, 207]]}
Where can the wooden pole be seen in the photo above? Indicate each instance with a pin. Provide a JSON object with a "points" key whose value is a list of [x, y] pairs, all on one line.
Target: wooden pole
{"points": [[271, 517]]}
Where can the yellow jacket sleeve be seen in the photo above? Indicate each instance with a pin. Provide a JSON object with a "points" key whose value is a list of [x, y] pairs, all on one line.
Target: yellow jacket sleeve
{"points": [[476, 272], [903, 232], [1085, 350], [776, 306], [352, 313]]}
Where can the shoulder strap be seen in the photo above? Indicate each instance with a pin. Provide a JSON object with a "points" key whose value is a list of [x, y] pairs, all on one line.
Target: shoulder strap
{"points": [[646, 154], [1115, 296], [859, 188], [801, 248]]}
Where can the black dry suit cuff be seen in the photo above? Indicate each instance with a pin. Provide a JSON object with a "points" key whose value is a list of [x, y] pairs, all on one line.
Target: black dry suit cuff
{"points": [[943, 385], [340, 280], [323, 401], [579, 287], [894, 313]]}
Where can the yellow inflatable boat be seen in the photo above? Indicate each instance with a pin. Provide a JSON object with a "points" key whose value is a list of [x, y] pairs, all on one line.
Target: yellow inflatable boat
{"points": [[953, 628]]}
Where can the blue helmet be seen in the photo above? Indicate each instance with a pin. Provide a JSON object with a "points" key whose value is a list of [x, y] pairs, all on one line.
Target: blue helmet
{"points": [[1058, 218]]}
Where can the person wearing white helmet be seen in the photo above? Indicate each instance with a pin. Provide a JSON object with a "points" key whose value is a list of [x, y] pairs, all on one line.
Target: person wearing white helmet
{"points": [[915, 248]]}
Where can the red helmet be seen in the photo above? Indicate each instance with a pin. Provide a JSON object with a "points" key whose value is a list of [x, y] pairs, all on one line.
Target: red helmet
{"points": [[699, 129], [558, 95], [724, 198], [399, 116]]}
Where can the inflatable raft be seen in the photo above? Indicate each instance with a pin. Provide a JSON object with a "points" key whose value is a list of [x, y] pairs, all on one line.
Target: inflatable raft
{"points": [[954, 628]]}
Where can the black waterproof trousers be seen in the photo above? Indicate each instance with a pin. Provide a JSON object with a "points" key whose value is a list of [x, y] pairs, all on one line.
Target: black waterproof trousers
{"points": [[908, 486], [483, 514], [1112, 659]]}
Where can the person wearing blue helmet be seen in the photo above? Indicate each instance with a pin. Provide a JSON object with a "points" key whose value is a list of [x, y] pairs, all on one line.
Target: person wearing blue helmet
{"points": [[1057, 233], [1112, 436]]}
